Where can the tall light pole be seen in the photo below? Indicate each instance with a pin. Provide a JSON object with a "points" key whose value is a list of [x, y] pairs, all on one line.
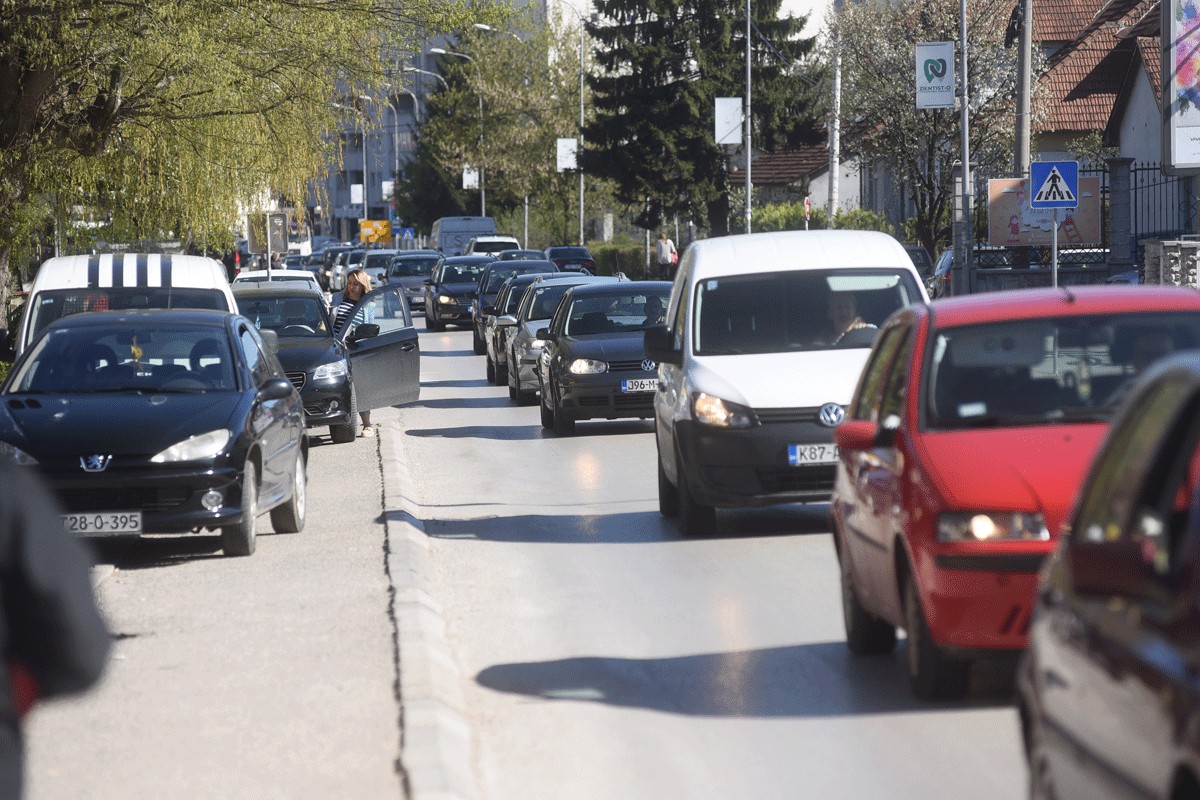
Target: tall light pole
{"points": [[746, 135], [579, 150], [479, 87]]}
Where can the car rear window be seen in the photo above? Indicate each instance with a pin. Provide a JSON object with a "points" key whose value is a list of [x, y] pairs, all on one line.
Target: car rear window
{"points": [[1046, 371], [413, 267], [779, 312]]}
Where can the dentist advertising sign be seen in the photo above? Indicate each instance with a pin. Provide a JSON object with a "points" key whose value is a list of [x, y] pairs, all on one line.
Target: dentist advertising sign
{"points": [[935, 75]]}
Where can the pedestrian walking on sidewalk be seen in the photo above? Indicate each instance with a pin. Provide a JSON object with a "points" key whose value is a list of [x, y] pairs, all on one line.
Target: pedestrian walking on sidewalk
{"points": [[668, 257]]}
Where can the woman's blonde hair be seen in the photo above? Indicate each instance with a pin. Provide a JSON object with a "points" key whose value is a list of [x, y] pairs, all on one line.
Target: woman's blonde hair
{"points": [[361, 277]]}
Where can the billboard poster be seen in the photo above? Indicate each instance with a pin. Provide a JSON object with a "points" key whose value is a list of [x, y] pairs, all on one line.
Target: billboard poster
{"points": [[1181, 86], [1012, 222], [935, 74]]}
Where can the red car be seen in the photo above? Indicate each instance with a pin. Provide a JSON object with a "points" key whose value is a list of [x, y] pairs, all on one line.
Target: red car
{"points": [[970, 431]]}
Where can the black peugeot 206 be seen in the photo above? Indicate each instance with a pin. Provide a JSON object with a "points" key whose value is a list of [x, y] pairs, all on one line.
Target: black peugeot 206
{"points": [[593, 363], [372, 363], [160, 422]]}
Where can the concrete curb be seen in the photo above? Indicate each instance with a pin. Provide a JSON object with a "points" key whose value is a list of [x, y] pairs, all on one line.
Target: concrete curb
{"points": [[435, 737]]}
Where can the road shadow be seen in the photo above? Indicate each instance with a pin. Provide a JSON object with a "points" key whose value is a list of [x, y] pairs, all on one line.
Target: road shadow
{"points": [[607, 427], [463, 383], [501, 433], [821, 679], [147, 552], [620, 527], [461, 402], [784, 520]]}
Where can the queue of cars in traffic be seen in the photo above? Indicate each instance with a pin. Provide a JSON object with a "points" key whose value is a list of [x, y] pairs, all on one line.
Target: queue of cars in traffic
{"points": [[1011, 477]]}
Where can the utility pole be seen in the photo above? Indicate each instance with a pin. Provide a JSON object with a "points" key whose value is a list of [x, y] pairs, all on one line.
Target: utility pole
{"points": [[1021, 153], [746, 121], [968, 195]]}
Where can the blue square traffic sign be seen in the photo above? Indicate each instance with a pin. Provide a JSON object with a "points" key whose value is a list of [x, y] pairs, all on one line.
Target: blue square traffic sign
{"points": [[1054, 184]]}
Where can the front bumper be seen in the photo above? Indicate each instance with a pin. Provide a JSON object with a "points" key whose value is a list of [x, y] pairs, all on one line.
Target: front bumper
{"points": [[600, 396], [169, 498], [980, 598], [325, 402], [749, 467], [457, 314]]}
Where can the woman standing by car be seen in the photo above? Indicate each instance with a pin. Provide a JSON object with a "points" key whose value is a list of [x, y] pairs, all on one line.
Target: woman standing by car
{"points": [[358, 284]]}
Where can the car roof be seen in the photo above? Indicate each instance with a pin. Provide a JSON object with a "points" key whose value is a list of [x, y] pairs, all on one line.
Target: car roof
{"points": [[574, 278], [619, 288], [473, 258], [784, 251], [153, 316], [142, 269], [1018, 304], [271, 289], [567, 247], [524, 263], [422, 253], [254, 274]]}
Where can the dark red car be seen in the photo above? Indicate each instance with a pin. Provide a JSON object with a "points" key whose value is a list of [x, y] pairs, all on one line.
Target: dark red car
{"points": [[971, 428]]}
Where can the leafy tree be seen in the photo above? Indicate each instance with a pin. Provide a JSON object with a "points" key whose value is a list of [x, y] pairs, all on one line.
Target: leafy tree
{"points": [[662, 63], [881, 121], [166, 118]]}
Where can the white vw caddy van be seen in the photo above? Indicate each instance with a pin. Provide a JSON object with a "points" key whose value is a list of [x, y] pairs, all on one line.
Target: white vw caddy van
{"points": [[766, 336], [119, 282]]}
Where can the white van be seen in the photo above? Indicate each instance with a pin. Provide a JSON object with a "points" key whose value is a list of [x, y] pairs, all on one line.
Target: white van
{"points": [[766, 336], [451, 234], [117, 282]]}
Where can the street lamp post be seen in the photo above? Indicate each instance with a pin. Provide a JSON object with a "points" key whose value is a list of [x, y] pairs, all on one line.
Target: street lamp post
{"points": [[479, 88], [579, 151]]}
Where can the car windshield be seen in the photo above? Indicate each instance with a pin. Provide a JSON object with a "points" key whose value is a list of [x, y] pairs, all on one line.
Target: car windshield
{"points": [[288, 316], [461, 273], [276, 275], [55, 304], [129, 357], [512, 300], [1046, 371], [615, 313], [542, 300], [413, 267], [780, 312]]}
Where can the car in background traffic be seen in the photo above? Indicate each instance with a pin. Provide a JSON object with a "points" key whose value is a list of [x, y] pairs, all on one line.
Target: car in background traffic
{"points": [[496, 336], [593, 363], [490, 280], [300, 277], [378, 264], [448, 290], [410, 269], [968, 436], [524, 346], [329, 257], [1107, 692], [491, 245], [164, 421], [938, 282], [758, 361], [520, 255], [339, 374], [921, 260], [572, 258]]}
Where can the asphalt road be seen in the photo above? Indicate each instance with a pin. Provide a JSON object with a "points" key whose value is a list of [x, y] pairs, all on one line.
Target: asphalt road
{"points": [[604, 656], [589, 650]]}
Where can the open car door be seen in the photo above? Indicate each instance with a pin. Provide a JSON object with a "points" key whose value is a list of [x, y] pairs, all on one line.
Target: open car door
{"points": [[385, 365]]}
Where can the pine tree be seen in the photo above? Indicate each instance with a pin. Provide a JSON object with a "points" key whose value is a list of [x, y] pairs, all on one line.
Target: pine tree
{"points": [[662, 64]]}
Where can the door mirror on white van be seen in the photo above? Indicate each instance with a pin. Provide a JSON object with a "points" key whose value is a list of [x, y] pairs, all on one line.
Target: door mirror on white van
{"points": [[660, 346]]}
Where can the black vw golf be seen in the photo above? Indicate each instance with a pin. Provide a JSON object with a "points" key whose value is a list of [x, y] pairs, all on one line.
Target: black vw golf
{"points": [[593, 364], [159, 422]]}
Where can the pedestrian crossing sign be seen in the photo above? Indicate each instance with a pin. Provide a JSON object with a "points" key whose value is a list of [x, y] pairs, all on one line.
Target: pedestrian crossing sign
{"points": [[1055, 184]]}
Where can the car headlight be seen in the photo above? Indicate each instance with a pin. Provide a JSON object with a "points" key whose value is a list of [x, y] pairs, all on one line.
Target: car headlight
{"points": [[709, 410], [587, 366], [334, 369], [195, 448], [15, 455], [991, 526], [447, 300]]}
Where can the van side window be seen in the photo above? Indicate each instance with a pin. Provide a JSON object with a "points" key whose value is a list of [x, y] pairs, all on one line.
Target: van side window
{"points": [[680, 297]]}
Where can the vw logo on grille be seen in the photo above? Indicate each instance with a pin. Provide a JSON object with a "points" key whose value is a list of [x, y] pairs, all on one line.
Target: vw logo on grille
{"points": [[831, 415], [95, 463], [649, 366]]}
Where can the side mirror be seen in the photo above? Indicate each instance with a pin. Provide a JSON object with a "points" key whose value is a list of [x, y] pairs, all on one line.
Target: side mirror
{"points": [[1106, 568], [275, 389], [660, 346], [506, 321], [542, 333], [428, 281], [368, 330], [488, 310], [271, 338], [856, 435]]}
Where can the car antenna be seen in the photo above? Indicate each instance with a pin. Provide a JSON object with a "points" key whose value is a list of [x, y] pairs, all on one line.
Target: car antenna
{"points": [[1070, 296]]}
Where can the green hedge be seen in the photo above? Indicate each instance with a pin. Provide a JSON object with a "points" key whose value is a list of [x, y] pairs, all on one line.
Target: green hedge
{"points": [[4, 365], [614, 258]]}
